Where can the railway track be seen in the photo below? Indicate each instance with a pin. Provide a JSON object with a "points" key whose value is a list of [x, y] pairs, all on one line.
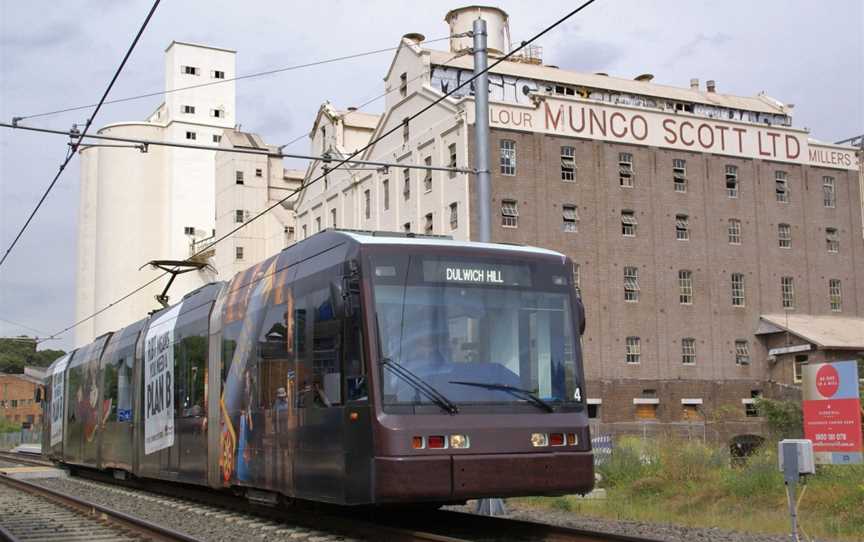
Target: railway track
{"points": [[302, 523], [34, 513]]}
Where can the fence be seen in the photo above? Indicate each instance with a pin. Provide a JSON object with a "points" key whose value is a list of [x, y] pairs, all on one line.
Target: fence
{"points": [[25, 436]]}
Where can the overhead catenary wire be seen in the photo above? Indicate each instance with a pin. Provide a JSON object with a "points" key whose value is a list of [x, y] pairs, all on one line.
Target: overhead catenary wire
{"points": [[221, 81], [342, 162], [74, 148], [18, 324]]}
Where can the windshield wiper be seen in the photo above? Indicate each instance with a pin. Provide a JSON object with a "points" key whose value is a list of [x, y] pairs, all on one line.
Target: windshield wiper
{"points": [[418, 384], [512, 390]]}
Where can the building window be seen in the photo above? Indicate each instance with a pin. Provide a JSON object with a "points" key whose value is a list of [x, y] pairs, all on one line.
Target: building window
{"points": [[217, 113], [190, 70], [834, 295], [239, 216], [568, 164], [625, 169], [787, 289], [832, 240], [406, 227], [798, 368], [427, 175], [750, 408], [828, 197], [509, 213], [403, 85], [191, 135], [427, 229], [577, 279], [737, 289], [679, 174], [217, 74], [784, 235], [632, 351], [406, 183], [454, 216], [305, 232], [333, 218], [238, 177], [734, 231], [682, 227], [628, 223], [317, 224], [508, 157], [289, 233], [385, 188], [631, 284], [238, 253], [217, 138], [367, 204], [189, 109], [259, 172], [742, 352], [732, 181], [188, 230], [688, 351], [452, 163], [571, 217], [685, 287], [406, 130], [781, 187]]}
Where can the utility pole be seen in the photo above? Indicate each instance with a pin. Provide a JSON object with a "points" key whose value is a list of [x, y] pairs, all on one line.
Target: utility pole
{"points": [[481, 131]]}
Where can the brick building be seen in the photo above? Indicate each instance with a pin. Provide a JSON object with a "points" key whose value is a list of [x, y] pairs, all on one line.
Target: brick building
{"points": [[18, 397], [694, 219]]}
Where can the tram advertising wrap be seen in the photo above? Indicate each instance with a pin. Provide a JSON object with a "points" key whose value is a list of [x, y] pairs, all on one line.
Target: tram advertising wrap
{"points": [[57, 398], [159, 382]]}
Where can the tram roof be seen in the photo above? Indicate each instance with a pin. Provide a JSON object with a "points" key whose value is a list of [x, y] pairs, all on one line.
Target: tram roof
{"points": [[396, 238]]}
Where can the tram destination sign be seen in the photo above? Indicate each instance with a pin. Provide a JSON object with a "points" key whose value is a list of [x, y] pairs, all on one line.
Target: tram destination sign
{"points": [[485, 273], [832, 412], [159, 382]]}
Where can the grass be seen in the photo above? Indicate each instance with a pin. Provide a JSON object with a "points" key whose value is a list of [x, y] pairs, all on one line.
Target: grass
{"points": [[688, 483]]}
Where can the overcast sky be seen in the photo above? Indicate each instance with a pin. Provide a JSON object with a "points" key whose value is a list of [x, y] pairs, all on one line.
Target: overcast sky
{"points": [[54, 55]]}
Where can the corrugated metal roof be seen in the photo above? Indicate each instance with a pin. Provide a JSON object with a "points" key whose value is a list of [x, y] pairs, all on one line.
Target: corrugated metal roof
{"points": [[763, 104], [842, 332]]}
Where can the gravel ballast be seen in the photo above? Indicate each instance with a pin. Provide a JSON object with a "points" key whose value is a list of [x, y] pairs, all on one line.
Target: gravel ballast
{"points": [[198, 520]]}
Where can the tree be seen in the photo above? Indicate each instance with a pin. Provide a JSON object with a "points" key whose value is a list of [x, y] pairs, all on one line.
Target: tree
{"points": [[785, 418], [17, 352]]}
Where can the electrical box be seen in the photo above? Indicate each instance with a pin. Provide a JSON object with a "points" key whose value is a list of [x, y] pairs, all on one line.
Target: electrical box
{"points": [[804, 449]]}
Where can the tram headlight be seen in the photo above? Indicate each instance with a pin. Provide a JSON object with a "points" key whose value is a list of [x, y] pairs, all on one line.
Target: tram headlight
{"points": [[538, 440], [459, 441]]}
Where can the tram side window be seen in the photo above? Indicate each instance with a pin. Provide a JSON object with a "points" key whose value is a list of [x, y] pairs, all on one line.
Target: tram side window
{"points": [[276, 365], [190, 363], [355, 370], [118, 387], [326, 339]]}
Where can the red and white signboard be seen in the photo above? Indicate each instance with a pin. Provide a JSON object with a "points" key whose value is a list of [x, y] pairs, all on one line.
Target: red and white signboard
{"points": [[832, 412]]}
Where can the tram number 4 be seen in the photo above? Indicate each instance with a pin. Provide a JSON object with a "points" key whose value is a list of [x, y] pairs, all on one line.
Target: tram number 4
{"points": [[577, 394], [157, 399]]}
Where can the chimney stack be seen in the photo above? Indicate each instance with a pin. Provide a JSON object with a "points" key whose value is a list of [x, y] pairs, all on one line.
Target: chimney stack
{"points": [[694, 84], [709, 84]]}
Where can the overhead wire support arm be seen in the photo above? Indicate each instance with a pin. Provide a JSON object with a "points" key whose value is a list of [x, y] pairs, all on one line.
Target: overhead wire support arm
{"points": [[144, 143]]}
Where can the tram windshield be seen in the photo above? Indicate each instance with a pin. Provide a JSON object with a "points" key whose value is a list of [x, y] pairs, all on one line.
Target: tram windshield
{"points": [[475, 332]]}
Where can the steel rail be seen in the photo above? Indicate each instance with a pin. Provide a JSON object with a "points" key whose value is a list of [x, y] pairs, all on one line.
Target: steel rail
{"points": [[122, 520]]}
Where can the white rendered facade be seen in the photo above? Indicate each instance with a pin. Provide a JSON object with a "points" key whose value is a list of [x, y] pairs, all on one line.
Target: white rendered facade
{"points": [[136, 207], [245, 185]]}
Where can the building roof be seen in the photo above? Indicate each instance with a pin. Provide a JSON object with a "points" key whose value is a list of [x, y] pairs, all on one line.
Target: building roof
{"points": [[761, 103], [826, 332], [359, 119], [190, 44], [247, 140]]}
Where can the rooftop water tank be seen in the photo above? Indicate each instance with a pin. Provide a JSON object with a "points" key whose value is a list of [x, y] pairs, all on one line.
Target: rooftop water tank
{"points": [[461, 20]]}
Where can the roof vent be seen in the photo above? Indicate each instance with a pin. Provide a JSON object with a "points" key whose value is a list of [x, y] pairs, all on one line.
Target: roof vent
{"points": [[604, 74], [694, 84], [644, 78], [711, 85], [416, 37], [352, 108]]}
